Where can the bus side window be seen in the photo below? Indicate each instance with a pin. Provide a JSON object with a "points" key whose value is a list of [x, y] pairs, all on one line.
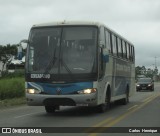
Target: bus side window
{"points": [[124, 49], [101, 69], [132, 50], [114, 47], [127, 46], [130, 53], [120, 53], [122, 46], [133, 53], [108, 43], [111, 43]]}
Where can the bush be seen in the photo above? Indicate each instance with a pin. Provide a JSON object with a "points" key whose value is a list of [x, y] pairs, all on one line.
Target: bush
{"points": [[12, 88], [12, 102], [17, 73]]}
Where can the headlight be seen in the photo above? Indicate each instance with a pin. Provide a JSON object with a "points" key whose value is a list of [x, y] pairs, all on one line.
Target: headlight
{"points": [[33, 91], [149, 84], [138, 85], [87, 91]]}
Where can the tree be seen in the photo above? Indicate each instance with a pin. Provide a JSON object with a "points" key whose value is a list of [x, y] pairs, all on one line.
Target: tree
{"points": [[149, 73], [140, 71], [155, 72], [146, 72], [6, 52]]}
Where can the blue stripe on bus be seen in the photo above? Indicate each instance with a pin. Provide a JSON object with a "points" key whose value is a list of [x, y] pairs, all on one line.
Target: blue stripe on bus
{"points": [[106, 58], [68, 88]]}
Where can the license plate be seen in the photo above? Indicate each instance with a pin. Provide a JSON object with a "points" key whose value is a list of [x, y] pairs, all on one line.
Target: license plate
{"points": [[143, 87], [81, 104]]}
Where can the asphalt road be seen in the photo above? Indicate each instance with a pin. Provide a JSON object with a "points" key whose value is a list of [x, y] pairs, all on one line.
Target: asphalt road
{"points": [[142, 111]]}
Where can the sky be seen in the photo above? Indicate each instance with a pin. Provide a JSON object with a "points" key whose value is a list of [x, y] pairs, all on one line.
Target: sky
{"points": [[136, 20]]}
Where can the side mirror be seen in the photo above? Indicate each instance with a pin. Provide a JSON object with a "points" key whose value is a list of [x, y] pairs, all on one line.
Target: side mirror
{"points": [[24, 41], [24, 46], [101, 44]]}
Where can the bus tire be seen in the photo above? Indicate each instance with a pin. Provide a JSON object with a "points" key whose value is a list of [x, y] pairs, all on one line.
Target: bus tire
{"points": [[50, 109], [103, 107], [125, 100]]}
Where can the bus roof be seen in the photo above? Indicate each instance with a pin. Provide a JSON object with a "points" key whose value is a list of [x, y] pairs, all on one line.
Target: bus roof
{"points": [[65, 23], [74, 23]]}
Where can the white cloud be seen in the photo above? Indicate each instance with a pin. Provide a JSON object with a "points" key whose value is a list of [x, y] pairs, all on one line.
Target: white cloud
{"points": [[136, 20]]}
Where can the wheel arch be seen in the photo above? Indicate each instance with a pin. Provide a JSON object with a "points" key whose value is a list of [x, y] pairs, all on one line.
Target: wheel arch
{"points": [[107, 91]]}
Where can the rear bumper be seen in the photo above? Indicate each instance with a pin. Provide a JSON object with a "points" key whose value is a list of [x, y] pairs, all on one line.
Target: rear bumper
{"points": [[64, 100]]}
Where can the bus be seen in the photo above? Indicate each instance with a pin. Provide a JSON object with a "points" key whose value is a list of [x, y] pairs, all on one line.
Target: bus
{"points": [[73, 63]]}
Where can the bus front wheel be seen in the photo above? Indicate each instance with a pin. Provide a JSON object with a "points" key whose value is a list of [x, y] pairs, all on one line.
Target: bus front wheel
{"points": [[50, 109], [103, 107]]}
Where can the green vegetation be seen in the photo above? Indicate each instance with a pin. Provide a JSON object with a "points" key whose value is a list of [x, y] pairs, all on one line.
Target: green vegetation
{"points": [[6, 52], [12, 88], [17, 73], [12, 85], [12, 102], [147, 72]]}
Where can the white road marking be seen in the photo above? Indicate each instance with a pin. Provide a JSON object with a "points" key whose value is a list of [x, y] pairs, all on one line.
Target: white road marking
{"points": [[27, 114]]}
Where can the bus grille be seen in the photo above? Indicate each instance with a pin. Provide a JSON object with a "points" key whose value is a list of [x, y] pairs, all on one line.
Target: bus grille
{"points": [[59, 101]]}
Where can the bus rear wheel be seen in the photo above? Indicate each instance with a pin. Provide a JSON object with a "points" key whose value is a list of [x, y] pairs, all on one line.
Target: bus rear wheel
{"points": [[125, 101]]}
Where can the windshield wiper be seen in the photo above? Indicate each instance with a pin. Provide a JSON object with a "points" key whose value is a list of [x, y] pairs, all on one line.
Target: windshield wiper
{"points": [[52, 62], [67, 68]]}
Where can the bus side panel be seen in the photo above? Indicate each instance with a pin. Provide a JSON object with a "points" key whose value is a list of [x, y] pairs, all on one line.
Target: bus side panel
{"points": [[120, 75], [133, 86]]}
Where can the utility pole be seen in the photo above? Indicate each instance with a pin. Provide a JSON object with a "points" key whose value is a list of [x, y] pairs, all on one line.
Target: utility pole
{"points": [[155, 62], [155, 70]]}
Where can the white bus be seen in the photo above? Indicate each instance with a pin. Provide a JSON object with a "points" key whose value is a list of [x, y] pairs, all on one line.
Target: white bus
{"points": [[78, 64]]}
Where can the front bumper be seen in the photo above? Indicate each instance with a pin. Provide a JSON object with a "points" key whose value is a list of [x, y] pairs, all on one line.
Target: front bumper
{"points": [[62, 100], [144, 87]]}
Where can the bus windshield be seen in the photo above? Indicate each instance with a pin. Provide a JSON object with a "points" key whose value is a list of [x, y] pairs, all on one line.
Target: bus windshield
{"points": [[66, 51]]}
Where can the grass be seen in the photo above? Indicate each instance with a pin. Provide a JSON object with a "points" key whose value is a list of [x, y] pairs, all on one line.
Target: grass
{"points": [[12, 88], [12, 102], [12, 91]]}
